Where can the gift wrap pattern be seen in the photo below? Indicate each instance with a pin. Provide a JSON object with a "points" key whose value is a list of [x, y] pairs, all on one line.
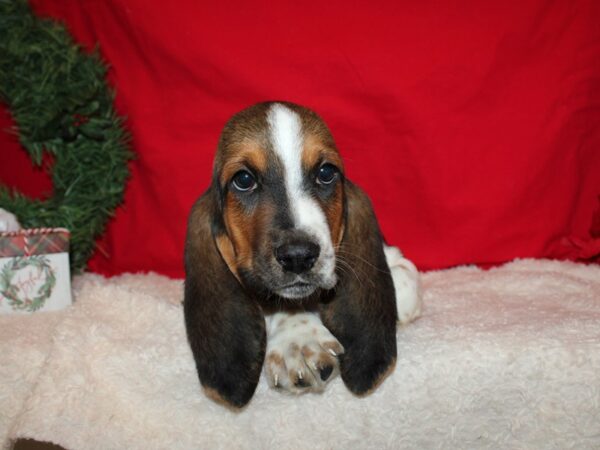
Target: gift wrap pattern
{"points": [[34, 270]]}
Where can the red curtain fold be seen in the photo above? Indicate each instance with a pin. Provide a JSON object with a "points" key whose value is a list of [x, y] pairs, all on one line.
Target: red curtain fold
{"points": [[473, 126]]}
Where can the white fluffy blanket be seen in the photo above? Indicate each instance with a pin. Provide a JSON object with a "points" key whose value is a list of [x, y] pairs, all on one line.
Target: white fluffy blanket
{"points": [[505, 358]]}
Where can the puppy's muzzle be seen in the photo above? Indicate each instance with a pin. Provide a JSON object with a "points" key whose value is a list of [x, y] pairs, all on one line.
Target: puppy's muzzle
{"points": [[297, 256]]}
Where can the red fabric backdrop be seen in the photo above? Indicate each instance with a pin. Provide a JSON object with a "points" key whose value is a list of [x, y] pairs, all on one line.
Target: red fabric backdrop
{"points": [[473, 126]]}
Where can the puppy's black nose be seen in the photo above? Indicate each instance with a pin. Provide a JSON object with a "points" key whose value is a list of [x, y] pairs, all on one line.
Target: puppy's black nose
{"points": [[297, 257]]}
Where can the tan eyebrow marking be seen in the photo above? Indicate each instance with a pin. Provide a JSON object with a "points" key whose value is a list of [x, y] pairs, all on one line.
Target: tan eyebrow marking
{"points": [[246, 155], [315, 150]]}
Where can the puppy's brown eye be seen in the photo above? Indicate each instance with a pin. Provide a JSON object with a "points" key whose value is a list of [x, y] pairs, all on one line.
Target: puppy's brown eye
{"points": [[243, 181], [327, 173]]}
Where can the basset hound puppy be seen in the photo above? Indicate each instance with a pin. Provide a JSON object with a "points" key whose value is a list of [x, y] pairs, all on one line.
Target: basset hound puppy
{"points": [[286, 267]]}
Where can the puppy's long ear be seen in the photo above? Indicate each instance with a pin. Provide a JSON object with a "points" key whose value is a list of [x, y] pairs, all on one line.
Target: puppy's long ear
{"points": [[225, 327], [362, 313]]}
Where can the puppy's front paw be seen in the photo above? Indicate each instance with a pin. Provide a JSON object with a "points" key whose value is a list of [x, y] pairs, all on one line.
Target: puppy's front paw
{"points": [[301, 353]]}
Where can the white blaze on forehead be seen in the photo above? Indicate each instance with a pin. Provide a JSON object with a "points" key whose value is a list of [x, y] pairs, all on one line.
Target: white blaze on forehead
{"points": [[287, 139]]}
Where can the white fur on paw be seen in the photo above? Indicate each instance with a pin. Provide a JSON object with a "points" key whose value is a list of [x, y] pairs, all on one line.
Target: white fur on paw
{"points": [[8, 221], [301, 353], [406, 284]]}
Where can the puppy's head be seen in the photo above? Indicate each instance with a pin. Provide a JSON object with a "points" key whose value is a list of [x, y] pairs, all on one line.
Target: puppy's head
{"points": [[280, 185]]}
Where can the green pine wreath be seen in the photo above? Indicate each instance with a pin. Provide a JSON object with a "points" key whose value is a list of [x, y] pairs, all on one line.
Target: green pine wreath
{"points": [[61, 105]]}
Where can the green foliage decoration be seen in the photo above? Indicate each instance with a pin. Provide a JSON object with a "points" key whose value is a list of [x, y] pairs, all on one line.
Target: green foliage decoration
{"points": [[58, 97]]}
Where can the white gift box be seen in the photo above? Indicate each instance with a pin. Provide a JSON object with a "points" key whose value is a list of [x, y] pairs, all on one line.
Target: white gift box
{"points": [[34, 270]]}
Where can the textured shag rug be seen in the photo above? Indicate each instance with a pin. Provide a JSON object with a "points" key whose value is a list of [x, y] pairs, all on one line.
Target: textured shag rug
{"points": [[505, 358]]}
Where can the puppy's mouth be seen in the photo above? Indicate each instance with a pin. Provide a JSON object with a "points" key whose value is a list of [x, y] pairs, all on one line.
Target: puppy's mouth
{"points": [[297, 289]]}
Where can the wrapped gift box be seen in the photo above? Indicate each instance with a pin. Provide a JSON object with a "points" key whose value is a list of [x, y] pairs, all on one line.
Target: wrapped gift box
{"points": [[34, 270]]}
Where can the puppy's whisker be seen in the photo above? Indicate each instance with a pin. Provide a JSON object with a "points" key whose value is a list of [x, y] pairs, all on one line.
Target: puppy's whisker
{"points": [[356, 269], [343, 271], [354, 255], [344, 264]]}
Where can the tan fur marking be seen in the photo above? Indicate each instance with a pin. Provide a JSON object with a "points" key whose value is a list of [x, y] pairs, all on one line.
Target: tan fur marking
{"points": [[315, 150], [216, 397], [340, 234], [335, 217], [246, 231], [294, 350], [239, 230], [247, 155], [276, 359], [307, 352], [228, 253], [380, 380]]}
